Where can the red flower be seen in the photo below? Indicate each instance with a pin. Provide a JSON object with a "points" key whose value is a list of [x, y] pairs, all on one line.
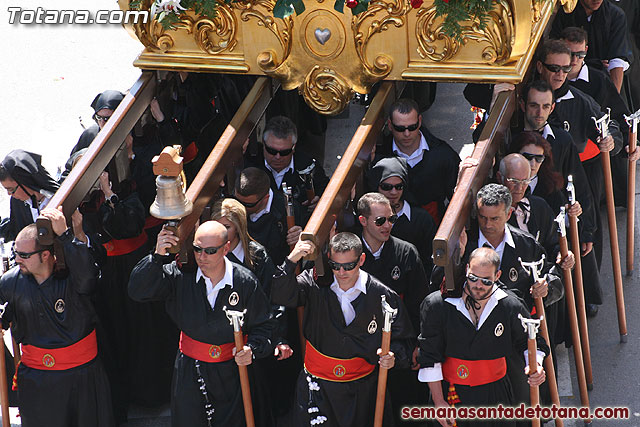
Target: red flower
{"points": [[352, 3], [446, 1], [416, 3]]}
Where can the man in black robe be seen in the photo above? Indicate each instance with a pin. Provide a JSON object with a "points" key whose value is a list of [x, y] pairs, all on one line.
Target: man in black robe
{"points": [[433, 164], [104, 105], [465, 341], [342, 326], [30, 187], [606, 25], [61, 381], [267, 214], [284, 162], [389, 177], [206, 384]]}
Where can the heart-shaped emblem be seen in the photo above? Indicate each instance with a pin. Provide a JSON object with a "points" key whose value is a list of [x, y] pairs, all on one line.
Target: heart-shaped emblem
{"points": [[322, 35]]}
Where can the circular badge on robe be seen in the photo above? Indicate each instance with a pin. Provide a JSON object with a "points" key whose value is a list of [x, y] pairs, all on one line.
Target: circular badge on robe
{"points": [[513, 274], [567, 126], [395, 273], [499, 329], [373, 327], [59, 306], [339, 371], [234, 298]]}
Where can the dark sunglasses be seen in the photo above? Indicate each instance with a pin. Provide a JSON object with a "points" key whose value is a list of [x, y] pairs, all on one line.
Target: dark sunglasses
{"points": [[554, 68], [388, 187], [581, 54], [273, 151], [346, 266], [410, 128], [27, 255], [209, 251], [250, 205], [539, 158], [379, 221], [100, 118], [473, 279]]}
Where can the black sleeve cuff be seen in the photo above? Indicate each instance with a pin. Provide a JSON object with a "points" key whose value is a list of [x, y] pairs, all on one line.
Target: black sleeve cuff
{"points": [[67, 236], [160, 259]]}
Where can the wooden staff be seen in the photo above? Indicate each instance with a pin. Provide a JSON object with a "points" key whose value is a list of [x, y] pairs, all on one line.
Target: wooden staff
{"points": [[389, 314], [573, 316], [4, 390], [534, 268], [631, 190], [291, 222], [531, 328], [579, 289], [602, 124], [236, 319]]}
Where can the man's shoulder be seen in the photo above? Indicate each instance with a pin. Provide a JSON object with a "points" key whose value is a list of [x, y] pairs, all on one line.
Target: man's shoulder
{"points": [[243, 275], [376, 287], [420, 217], [521, 236], [400, 246], [560, 137], [302, 160], [438, 145]]}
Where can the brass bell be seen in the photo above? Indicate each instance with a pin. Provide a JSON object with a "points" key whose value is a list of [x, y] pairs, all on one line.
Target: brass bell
{"points": [[170, 202]]}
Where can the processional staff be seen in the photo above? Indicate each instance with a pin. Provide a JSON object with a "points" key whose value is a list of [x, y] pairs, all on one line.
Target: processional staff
{"points": [[389, 313], [579, 289], [602, 124], [236, 318], [573, 317], [535, 268], [531, 328], [632, 121], [307, 177]]}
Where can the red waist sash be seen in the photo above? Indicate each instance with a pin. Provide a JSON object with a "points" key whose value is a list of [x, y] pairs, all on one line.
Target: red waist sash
{"points": [[206, 352], [334, 369], [473, 372], [116, 247], [432, 209], [60, 359], [590, 151]]}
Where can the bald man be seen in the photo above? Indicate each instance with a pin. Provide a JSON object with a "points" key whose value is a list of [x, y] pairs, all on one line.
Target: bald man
{"points": [[206, 386]]}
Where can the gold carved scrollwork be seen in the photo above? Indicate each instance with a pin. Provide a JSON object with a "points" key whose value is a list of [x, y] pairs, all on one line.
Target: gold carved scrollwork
{"points": [[326, 91], [152, 35], [268, 60], [568, 5], [498, 34], [217, 35], [367, 24]]}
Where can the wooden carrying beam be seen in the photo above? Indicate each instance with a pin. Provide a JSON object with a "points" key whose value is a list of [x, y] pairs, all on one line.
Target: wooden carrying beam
{"points": [[355, 157], [445, 244], [227, 152], [104, 146]]}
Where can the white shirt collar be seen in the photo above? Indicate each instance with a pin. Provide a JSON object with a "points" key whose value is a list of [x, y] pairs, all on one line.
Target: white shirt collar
{"points": [[406, 210], [213, 290], [507, 239], [375, 254], [546, 131], [279, 176], [533, 183], [347, 297], [361, 283], [34, 210], [238, 251], [566, 96], [255, 216], [415, 157], [492, 302], [583, 74]]}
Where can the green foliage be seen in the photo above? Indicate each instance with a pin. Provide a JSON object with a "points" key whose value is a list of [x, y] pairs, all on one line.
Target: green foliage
{"points": [[457, 11]]}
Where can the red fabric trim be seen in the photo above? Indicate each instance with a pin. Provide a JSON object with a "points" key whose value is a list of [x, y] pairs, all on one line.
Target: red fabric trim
{"points": [[60, 359], [190, 152], [334, 369], [206, 352], [152, 221], [473, 372], [432, 209], [116, 247], [589, 152]]}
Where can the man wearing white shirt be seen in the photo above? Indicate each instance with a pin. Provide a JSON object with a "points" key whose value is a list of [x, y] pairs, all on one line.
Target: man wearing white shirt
{"points": [[342, 326], [465, 341]]}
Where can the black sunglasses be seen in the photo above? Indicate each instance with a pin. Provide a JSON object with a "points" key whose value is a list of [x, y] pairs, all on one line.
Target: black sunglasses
{"points": [[580, 54], [273, 151], [347, 266], [473, 278], [100, 118], [554, 68], [539, 158], [379, 221], [27, 255], [209, 251], [410, 128], [250, 205], [388, 187]]}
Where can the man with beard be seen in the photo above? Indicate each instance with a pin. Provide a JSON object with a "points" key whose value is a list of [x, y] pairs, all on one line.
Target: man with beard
{"points": [[30, 187], [205, 372], [342, 326], [61, 380], [465, 341]]}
